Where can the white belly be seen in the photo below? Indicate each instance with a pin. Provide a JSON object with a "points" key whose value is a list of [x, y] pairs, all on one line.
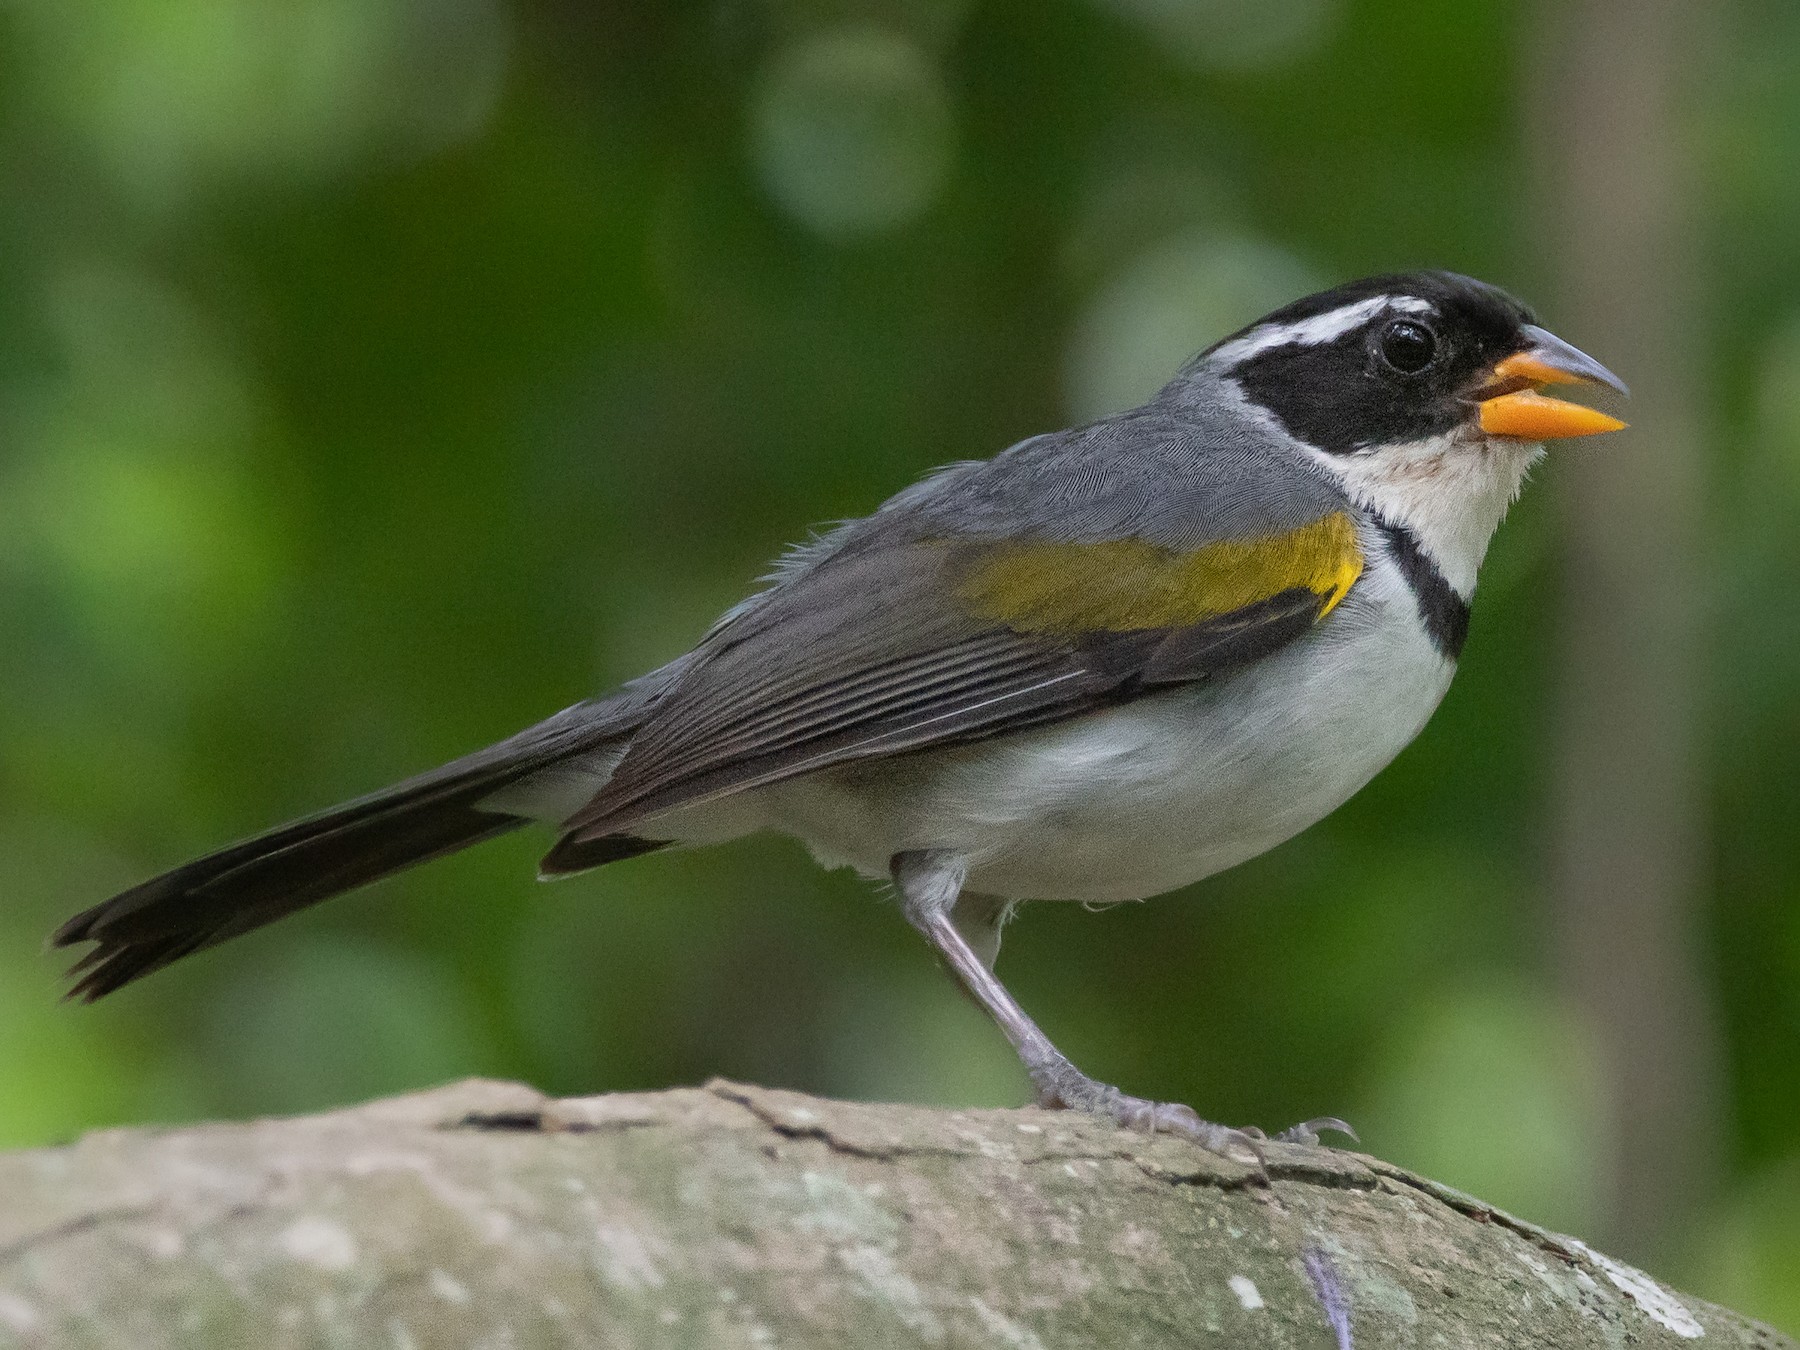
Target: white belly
{"points": [[1144, 798]]}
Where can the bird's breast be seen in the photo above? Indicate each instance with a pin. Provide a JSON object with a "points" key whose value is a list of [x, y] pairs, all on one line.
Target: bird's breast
{"points": [[1157, 793]]}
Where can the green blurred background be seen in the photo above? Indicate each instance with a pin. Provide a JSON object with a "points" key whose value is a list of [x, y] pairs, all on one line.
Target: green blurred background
{"points": [[377, 376]]}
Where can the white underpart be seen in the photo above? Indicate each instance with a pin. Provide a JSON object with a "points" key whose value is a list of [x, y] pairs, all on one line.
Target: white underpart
{"points": [[1450, 491], [1319, 328], [1121, 804], [1140, 799]]}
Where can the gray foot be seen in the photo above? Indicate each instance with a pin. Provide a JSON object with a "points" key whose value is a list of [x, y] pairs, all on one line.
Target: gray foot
{"points": [[1064, 1087]]}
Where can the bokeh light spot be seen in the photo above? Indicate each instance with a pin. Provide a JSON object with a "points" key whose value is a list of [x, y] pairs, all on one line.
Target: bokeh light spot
{"points": [[174, 94], [851, 132], [1234, 35], [1175, 299], [138, 492]]}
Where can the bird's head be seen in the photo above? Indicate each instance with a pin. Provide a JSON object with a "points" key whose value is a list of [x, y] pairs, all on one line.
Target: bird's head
{"points": [[1395, 361], [1418, 392]]}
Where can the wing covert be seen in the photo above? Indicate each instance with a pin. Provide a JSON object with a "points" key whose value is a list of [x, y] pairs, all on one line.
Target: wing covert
{"points": [[890, 645]]}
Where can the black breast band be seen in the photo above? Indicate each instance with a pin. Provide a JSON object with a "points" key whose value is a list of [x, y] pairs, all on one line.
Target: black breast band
{"points": [[1444, 612]]}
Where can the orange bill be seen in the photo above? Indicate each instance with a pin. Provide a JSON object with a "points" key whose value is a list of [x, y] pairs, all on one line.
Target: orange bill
{"points": [[1538, 367], [1532, 416], [1523, 412]]}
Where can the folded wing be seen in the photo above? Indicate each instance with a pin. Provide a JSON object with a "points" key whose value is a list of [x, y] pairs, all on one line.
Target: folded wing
{"points": [[890, 646]]}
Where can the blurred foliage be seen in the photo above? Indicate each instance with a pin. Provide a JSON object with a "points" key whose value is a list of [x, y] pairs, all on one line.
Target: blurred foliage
{"points": [[378, 375]]}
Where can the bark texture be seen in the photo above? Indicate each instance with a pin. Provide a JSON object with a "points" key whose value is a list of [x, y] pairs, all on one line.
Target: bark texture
{"points": [[484, 1214]]}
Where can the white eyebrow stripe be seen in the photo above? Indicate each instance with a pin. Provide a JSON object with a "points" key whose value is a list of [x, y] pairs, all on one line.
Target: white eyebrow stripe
{"points": [[1317, 329]]}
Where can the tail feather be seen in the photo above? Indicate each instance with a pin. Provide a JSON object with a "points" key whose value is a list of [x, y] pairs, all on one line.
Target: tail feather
{"points": [[219, 897], [249, 884]]}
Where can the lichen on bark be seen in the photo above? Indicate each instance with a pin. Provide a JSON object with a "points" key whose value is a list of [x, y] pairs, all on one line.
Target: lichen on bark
{"points": [[484, 1214]]}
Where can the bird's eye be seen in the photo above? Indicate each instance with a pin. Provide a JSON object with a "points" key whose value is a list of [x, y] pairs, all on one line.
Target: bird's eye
{"points": [[1408, 346]]}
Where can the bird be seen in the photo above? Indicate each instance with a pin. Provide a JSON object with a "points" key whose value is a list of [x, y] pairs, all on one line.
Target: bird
{"points": [[1106, 663]]}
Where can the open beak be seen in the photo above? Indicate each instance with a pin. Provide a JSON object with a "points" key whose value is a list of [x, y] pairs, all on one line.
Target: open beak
{"points": [[1512, 405]]}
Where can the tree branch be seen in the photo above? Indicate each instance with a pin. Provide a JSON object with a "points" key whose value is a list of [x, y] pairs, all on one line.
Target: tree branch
{"points": [[486, 1214]]}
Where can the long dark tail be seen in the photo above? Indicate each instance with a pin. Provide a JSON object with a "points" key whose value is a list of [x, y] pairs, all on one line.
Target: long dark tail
{"points": [[247, 885]]}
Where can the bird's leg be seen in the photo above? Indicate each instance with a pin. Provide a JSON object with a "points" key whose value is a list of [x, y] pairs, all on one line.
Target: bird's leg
{"points": [[980, 919], [930, 883]]}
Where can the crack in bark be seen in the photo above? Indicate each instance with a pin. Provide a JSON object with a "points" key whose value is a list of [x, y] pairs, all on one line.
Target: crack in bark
{"points": [[823, 1134], [522, 1122], [1481, 1212], [1293, 1169], [537, 1220], [544, 1122], [1552, 1244], [21, 1247]]}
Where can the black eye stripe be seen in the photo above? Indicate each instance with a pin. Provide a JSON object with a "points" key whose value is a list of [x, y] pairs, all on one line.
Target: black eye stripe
{"points": [[1342, 393]]}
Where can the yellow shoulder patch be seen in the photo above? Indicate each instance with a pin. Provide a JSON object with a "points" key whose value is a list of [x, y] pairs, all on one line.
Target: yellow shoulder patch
{"points": [[1123, 585]]}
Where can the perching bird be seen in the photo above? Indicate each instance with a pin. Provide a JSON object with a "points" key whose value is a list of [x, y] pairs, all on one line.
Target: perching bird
{"points": [[1104, 664]]}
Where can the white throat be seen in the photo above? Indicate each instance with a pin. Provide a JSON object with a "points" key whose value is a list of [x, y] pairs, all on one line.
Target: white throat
{"points": [[1451, 492]]}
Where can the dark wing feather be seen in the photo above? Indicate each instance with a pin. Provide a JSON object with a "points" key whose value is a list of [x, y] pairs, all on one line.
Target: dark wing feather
{"points": [[820, 675], [870, 644]]}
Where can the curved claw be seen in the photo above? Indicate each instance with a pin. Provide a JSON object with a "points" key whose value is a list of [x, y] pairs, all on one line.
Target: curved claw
{"points": [[1307, 1131]]}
